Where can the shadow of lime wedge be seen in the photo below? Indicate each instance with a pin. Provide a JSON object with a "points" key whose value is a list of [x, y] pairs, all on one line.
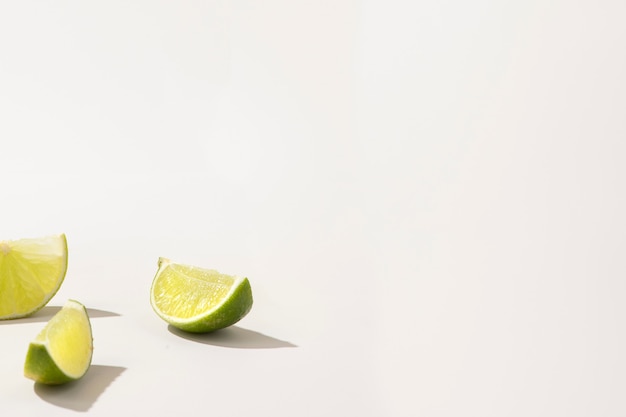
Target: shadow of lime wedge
{"points": [[233, 337], [46, 313], [82, 394]]}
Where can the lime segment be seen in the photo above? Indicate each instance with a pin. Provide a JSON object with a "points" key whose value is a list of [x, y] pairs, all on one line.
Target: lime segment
{"points": [[62, 351], [31, 272], [197, 299]]}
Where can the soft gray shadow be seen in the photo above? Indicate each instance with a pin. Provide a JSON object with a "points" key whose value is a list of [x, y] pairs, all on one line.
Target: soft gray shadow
{"points": [[82, 394], [46, 313], [233, 337]]}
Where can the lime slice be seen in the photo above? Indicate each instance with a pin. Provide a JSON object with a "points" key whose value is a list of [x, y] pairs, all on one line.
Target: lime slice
{"points": [[31, 272], [198, 300], [62, 351]]}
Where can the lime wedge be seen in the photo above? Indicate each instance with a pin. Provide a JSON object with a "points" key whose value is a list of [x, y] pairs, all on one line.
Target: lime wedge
{"points": [[198, 300], [62, 351], [31, 272]]}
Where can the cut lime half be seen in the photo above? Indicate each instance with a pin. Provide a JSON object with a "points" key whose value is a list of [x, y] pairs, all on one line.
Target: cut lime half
{"points": [[198, 300], [31, 272]]}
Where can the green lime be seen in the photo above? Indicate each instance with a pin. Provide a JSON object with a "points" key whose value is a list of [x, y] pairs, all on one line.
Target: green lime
{"points": [[31, 272], [62, 351], [198, 300]]}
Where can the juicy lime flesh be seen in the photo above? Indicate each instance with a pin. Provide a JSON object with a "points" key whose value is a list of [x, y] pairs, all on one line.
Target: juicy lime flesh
{"points": [[199, 300], [68, 338], [185, 292], [31, 271]]}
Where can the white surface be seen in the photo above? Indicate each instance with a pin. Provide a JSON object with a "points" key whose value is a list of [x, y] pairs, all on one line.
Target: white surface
{"points": [[428, 199]]}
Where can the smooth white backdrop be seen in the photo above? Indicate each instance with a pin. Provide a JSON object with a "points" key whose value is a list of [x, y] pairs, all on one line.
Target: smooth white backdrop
{"points": [[427, 197]]}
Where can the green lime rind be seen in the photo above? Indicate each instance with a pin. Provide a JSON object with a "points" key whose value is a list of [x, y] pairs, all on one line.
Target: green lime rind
{"points": [[236, 307], [41, 367]]}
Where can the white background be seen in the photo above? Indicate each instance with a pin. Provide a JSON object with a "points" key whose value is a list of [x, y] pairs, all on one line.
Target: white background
{"points": [[427, 197]]}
